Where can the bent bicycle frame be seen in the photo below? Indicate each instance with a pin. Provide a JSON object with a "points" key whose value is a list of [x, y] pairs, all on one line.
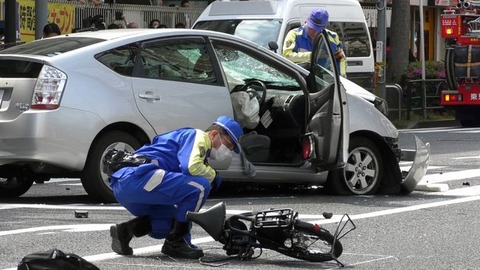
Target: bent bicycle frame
{"points": [[213, 221]]}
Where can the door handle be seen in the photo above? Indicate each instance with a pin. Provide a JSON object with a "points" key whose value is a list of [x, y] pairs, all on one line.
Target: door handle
{"points": [[150, 96]]}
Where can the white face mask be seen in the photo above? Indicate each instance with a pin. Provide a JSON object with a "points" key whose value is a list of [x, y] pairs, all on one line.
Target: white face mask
{"points": [[221, 153]]}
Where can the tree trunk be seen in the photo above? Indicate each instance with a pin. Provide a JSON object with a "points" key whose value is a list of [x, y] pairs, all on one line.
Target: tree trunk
{"points": [[398, 57]]}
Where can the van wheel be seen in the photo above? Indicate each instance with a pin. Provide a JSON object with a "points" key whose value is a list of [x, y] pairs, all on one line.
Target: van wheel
{"points": [[12, 187], [94, 180], [363, 173]]}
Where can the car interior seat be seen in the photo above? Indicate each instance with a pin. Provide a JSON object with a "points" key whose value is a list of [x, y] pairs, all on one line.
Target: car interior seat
{"points": [[256, 147]]}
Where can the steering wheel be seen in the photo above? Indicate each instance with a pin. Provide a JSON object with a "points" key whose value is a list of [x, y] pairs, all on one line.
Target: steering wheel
{"points": [[259, 93]]}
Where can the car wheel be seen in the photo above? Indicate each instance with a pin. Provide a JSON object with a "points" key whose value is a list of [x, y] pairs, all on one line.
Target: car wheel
{"points": [[363, 172], [94, 180], [12, 187]]}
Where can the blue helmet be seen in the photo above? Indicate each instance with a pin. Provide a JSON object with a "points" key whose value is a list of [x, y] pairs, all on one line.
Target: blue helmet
{"points": [[318, 19], [232, 128]]}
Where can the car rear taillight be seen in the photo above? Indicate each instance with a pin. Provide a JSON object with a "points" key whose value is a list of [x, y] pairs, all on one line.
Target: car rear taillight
{"points": [[48, 89], [307, 147]]}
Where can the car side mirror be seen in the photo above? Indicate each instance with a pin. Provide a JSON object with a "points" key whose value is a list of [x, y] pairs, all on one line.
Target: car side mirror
{"points": [[273, 46]]}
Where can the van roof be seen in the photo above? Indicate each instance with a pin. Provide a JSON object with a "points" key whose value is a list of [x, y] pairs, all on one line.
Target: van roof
{"points": [[339, 10]]}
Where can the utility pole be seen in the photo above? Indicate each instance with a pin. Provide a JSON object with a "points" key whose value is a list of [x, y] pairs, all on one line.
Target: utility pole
{"points": [[10, 21], [41, 17], [381, 50]]}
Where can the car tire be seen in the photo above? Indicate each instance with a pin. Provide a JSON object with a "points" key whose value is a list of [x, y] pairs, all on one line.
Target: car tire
{"points": [[94, 180], [13, 187], [358, 178]]}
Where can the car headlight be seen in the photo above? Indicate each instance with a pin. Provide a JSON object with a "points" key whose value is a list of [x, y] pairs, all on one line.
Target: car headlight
{"points": [[381, 105]]}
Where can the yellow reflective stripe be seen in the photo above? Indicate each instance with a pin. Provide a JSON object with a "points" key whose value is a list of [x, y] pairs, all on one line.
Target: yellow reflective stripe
{"points": [[289, 45], [196, 162]]}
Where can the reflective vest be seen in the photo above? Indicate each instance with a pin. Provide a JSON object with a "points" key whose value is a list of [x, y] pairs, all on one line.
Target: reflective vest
{"points": [[298, 45]]}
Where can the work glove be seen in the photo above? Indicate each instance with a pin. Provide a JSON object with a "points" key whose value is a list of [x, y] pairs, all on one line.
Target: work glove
{"points": [[217, 181]]}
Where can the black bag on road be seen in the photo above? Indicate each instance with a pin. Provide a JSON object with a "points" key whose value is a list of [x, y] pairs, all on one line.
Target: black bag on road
{"points": [[54, 259]]}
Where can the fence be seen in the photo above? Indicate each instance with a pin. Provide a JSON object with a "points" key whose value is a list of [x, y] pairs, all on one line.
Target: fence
{"points": [[141, 14], [423, 95]]}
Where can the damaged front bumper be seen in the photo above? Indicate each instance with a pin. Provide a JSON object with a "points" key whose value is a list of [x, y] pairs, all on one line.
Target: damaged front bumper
{"points": [[419, 158]]}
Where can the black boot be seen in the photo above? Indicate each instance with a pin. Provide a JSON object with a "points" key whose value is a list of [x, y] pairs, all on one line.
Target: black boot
{"points": [[175, 244], [122, 233]]}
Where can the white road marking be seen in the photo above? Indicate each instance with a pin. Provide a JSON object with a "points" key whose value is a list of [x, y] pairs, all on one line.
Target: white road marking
{"points": [[336, 218], [433, 130], [450, 176], [157, 248], [405, 167], [64, 207], [466, 191], [470, 157], [469, 194]]}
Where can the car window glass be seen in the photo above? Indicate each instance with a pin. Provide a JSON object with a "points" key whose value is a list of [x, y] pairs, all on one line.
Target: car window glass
{"points": [[258, 31], [354, 37], [120, 60], [240, 67], [185, 60], [325, 66]]}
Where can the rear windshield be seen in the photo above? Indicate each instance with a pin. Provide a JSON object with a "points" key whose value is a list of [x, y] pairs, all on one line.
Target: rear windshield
{"points": [[51, 46], [19, 69]]}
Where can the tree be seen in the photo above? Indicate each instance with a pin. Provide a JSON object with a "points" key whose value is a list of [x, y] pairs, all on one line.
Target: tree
{"points": [[398, 59]]}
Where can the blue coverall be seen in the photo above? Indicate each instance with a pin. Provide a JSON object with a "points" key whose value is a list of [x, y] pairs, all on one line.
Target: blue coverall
{"points": [[178, 179]]}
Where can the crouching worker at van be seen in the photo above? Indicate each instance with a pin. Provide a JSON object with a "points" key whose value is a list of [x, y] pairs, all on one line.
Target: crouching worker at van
{"points": [[298, 43], [178, 179]]}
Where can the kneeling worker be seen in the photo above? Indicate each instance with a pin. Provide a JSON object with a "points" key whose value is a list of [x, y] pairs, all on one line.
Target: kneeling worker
{"points": [[177, 180]]}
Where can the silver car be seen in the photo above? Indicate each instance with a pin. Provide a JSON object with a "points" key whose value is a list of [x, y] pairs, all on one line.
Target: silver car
{"points": [[65, 101]]}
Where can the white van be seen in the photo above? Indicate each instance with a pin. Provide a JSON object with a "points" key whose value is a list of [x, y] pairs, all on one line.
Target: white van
{"points": [[265, 21]]}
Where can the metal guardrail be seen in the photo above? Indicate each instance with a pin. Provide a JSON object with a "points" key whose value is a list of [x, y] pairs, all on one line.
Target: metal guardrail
{"points": [[394, 99], [423, 95]]}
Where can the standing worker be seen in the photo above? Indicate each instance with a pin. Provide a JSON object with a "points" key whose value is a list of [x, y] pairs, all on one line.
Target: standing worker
{"points": [[298, 44], [177, 180]]}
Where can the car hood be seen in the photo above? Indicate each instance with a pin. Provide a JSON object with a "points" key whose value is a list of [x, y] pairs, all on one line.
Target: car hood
{"points": [[357, 90]]}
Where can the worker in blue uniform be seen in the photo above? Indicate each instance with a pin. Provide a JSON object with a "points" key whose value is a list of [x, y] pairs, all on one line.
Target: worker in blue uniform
{"points": [[298, 43], [178, 179]]}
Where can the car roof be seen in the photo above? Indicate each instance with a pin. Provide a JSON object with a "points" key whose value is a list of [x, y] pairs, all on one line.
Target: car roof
{"points": [[115, 37], [132, 33]]}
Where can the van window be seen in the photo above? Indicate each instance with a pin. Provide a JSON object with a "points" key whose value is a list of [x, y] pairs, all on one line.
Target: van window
{"points": [[258, 31], [354, 37]]}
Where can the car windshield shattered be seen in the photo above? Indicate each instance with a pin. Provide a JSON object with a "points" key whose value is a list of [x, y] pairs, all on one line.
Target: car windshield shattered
{"points": [[52, 46], [241, 67]]}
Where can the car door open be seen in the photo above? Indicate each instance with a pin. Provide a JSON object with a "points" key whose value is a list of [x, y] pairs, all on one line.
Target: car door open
{"points": [[328, 127]]}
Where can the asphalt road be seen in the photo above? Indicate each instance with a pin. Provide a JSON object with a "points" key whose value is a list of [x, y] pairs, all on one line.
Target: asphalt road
{"points": [[424, 230]]}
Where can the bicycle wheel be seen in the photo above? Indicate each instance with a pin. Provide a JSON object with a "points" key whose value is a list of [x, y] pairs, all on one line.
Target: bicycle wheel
{"points": [[312, 244]]}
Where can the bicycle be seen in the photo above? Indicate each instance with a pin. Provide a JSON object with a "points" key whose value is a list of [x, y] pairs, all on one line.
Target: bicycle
{"points": [[275, 229]]}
